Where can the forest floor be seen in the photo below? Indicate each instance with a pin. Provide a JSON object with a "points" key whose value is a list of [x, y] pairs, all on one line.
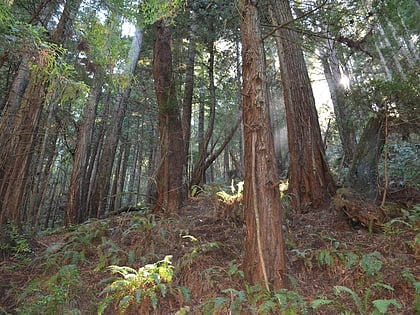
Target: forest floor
{"points": [[333, 266]]}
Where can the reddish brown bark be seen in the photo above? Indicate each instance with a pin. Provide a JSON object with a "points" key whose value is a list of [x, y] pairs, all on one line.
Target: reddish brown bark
{"points": [[264, 261], [18, 141], [310, 182], [169, 178]]}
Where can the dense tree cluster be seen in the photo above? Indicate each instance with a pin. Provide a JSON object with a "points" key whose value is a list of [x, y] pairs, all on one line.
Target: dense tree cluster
{"points": [[116, 103]]}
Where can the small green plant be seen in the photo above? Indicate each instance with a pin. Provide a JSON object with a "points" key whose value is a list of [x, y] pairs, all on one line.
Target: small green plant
{"points": [[326, 257], [110, 253], [196, 190], [57, 295], [362, 304], [408, 275], [257, 300], [140, 223], [412, 215], [138, 286], [408, 220], [371, 263], [15, 242]]}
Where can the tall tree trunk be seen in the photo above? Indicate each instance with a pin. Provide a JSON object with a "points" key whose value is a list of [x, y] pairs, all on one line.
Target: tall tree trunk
{"points": [[402, 44], [100, 201], [397, 63], [198, 174], [310, 182], [13, 100], [42, 172], [136, 168], [264, 261], [188, 94], [77, 196], [122, 198], [387, 70], [342, 109], [169, 179], [363, 173], [63, 29], [153, 168], [16, 153]]}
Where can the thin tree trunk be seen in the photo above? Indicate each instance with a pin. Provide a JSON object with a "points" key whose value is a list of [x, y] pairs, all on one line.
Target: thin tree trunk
{"points": [[397, 63], [136, 168], [123, 175], [264, 261], [387, 70], [77, 210], [153, 168], [401, 43], [106, 162], [198, 176], [16, 154], [188, 94], [342, 110]]}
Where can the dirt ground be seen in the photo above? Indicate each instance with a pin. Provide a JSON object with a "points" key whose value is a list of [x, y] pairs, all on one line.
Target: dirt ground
{"points": [[329, 257]]}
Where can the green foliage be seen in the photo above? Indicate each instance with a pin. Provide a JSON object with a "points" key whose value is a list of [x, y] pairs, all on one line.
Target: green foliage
{"points": [[110, 253], [14, 242], [196, 190], [362, 304], [85, 241], [408, 275], [5, 14], [417, 297], [140, 223], [256, 300], [137, 286], [325, 257], [56, 295], [403, 166], [409, 219], [412, 215], [17, 35], [155, 10], [371, 263]]}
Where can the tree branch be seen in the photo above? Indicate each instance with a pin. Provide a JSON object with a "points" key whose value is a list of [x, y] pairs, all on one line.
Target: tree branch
{"points": [[296, 19]]}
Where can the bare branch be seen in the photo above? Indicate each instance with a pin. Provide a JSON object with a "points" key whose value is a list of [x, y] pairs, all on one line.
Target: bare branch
{"points": [[296, 19]]}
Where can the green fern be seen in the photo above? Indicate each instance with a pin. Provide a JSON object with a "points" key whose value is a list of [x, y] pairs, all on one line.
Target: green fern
{"points": [[371, 263], [136, 286], [363, 304]]}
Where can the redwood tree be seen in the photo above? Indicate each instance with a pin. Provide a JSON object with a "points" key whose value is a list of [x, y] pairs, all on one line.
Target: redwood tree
{"points": [[169, 179], [264, 262], [310, 182], [19, 126]]}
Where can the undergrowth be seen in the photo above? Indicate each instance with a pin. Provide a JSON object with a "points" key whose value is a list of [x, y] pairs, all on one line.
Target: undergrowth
{"points": [[63, 283]]}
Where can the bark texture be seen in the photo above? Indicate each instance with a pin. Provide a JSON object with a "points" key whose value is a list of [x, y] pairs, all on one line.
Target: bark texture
{"points": [[264, 262], [310, 183], [363, 174], [169, 179]]}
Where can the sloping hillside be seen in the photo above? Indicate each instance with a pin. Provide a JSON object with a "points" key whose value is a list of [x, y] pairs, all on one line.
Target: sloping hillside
{"points": [[335, 266]]}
